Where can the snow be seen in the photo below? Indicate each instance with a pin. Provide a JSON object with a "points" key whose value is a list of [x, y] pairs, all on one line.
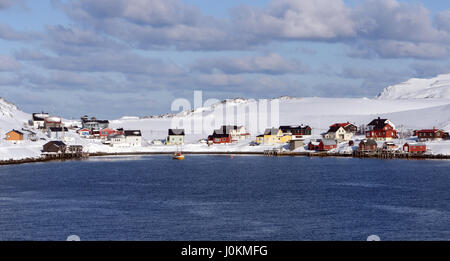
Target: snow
{"points": [[437, 87], [405, 110]]}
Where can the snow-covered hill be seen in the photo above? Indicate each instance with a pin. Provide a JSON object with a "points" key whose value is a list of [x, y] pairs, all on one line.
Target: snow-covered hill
{"points": [[319, 113], [11, 117], [438, 87]]}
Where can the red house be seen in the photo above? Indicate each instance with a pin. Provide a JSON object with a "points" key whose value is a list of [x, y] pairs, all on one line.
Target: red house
{"points": [[381, 129], [104, 133], [431, 134], [222, 135], [414, 148], [322, 145]]}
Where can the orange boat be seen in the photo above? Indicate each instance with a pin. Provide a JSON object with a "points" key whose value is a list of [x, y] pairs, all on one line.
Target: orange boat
{"points": [[178, 156]]}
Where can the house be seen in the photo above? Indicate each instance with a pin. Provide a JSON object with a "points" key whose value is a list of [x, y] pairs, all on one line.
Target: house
{"points": [[133, 138], [297, 132], [14, 135], [56, 132], [52, 122], [75, 149], [381, 129], [84, 133], [431, 134], [295, 144], [415, 148], [93, 123], [29, 135], [314, 145], [338, 133], [322, 145], [273, 136], [95, 134], [116, 140], [175, 137], [237, 132], [130, 138], [38, 120], [54, 147], [104, 133], [259, 139], [221, 135], [368, 145], [349, 127], [389, 146]]}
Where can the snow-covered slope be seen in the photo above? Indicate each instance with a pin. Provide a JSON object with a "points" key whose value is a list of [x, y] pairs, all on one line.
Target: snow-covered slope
{"points": [[438, 87], [11, 117], [319, 113]]}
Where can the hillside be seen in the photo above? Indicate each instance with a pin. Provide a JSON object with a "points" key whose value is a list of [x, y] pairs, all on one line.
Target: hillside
{"points": [[437, 87], [319, 113], [11, 117]]}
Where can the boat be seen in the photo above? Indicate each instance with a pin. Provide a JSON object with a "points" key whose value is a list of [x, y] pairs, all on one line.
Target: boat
{"points": [[178, 156]]}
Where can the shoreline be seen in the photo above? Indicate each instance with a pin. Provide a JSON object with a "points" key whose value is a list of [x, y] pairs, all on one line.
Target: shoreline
{"points": [[248, 153]]}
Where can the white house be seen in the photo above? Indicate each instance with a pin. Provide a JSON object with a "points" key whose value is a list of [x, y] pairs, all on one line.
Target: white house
{"points": [[175, 137], [38, 120], [338, 133], [130, 138], [237, 132], [56, 132]]}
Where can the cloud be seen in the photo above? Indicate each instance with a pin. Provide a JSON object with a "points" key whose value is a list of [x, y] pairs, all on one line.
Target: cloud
{"points": [[269, 64], [8, 33], [119, 62], [8, 64], [297, 20], [6, 3], [30, 55], [442, 21], [149, 24]]}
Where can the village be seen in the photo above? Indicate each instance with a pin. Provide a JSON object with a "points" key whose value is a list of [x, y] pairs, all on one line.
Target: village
{"points": [[92, 136]]}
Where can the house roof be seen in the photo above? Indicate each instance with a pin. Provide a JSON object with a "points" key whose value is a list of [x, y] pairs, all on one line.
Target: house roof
{"points": [[415, 144], [58, 129], [430, 130], [176, 132], [369, 142], [29, 132], [334, 128], [271, 131], [116, 136], [56, 142], [39, 116], [378, 124], [340, 124], [132, 133], [225, 129], [285, 128], [16, 131], [96, 121]]}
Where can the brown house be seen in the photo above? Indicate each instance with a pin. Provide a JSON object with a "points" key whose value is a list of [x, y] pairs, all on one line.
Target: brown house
{"points": [[14, 135], [368, 145], [54, 147]]}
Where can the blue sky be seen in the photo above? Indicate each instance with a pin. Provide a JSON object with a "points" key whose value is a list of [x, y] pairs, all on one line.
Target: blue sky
{"points": [[114, 57]]}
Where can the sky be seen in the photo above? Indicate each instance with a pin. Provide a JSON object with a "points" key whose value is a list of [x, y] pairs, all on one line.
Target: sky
{"points": [[114, 58]]}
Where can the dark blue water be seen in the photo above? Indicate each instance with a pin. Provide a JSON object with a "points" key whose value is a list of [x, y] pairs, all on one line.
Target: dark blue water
{"points": [[220, 198]]}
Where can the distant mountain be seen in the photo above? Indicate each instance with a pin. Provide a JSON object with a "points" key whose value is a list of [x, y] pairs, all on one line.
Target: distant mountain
{"points": [[438, 87]]}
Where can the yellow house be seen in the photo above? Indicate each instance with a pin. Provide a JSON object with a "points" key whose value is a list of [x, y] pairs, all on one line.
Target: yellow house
{"points": [[14, 135], [273, 136]]}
